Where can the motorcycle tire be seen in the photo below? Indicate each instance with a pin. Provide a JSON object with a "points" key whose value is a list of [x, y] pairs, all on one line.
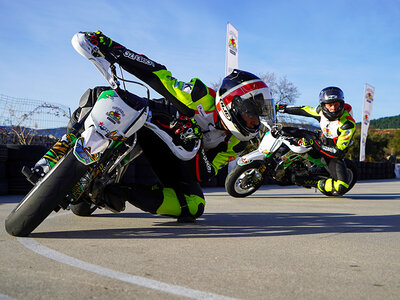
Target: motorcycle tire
{"points": [[352, 172], [234, 184], [45, 196]]}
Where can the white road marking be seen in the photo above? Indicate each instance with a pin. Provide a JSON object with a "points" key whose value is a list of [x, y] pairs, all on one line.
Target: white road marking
{"points": [[5, 297], [38, 248]]}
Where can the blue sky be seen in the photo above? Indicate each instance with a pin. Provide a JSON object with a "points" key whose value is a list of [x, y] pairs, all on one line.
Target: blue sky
{"points": [[313, 43]]}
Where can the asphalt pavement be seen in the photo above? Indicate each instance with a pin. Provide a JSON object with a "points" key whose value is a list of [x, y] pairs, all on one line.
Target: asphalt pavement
{"points": [[280, 243]]}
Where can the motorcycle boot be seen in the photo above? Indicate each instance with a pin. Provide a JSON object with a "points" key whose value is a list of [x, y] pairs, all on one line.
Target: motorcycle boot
{"points": [[112, 196], [334, 187], [104, 46], [146, 198], [52, 156], [161, 200]]}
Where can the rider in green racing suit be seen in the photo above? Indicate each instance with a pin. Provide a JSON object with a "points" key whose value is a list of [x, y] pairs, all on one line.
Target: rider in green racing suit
{"points": [[227, 120], [338, 127]]}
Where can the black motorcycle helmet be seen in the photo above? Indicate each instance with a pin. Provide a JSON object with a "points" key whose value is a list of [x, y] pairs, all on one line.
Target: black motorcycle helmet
{"points": [[330, 95]]}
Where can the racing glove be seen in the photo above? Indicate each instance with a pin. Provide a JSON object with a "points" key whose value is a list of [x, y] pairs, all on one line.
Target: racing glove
{"points": [[108, 48], [280, 108], [306, 142], [186, 132]]}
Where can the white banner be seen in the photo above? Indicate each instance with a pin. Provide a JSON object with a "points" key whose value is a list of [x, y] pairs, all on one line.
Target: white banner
{"points": [[367, 110], [232, 60]]}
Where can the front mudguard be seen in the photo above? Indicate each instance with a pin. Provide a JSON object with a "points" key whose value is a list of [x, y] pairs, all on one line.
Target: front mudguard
{"points": [[255, 155], [88, 147]]}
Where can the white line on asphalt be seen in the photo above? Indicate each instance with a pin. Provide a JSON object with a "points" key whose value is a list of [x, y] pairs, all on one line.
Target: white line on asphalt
{"points": [[5, 297], [38, 248]]}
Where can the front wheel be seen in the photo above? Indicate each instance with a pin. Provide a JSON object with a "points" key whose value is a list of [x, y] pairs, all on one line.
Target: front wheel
{"points": [[243, 181], [45, 196]]}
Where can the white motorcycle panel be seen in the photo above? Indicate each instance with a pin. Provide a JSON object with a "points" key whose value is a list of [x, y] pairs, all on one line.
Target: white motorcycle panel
{"points": [[178, 150], [250, 157], [113, 118], [297, 149], [269, 144]]}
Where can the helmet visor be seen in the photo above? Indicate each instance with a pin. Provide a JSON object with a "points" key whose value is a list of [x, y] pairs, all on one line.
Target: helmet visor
{"points": [[255, 105], [247, 112], [259, 106]]}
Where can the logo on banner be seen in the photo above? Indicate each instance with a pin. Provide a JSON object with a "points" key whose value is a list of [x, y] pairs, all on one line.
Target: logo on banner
{"points": [[232, 44], [369, 97], [366, 120]]}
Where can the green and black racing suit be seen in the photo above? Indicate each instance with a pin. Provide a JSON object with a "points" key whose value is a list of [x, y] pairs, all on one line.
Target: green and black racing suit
{"points": [[180, 185], [332, 145]]}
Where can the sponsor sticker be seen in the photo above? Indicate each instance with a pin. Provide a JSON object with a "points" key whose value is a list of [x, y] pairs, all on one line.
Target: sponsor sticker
{"points": [[114, 117], [139, 58]]}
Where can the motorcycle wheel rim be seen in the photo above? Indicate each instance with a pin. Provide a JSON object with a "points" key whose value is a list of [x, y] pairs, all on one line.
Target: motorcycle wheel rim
{"points": [[245, 175]]}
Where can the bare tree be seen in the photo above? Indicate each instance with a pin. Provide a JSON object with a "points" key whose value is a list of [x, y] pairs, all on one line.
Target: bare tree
{"points": [[18, 122], [215, 85], [283, 91]]}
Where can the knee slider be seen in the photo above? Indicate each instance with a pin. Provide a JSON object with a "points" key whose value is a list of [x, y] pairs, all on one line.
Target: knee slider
{"points": [[340, 188], [200, 210], [325, 185]]}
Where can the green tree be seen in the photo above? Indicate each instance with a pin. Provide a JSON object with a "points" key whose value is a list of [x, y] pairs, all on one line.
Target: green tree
{"points": [[386, 122], [377, 148], [394, 144], [354, 149]]}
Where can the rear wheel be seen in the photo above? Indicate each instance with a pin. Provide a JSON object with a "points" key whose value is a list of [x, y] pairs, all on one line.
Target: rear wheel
{"points": [[243, 181], [45, 196]]}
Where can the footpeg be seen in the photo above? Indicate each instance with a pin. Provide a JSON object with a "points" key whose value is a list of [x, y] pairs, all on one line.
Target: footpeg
{"points": [[32, 175]]}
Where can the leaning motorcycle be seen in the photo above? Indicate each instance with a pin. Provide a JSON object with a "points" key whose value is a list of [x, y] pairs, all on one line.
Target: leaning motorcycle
{"points": [[283, 159], [103, 144]]}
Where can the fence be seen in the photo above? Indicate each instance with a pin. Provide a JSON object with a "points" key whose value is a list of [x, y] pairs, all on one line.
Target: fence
{"points": [[27, 121], [33, 114]]}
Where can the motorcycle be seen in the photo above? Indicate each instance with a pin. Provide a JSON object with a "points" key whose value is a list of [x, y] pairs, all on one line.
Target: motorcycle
{"points": [[282, 158], [103, 144]]}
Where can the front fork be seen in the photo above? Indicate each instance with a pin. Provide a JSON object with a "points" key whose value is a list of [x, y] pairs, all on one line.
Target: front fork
{"points": [[105, 171], [48, 161]]}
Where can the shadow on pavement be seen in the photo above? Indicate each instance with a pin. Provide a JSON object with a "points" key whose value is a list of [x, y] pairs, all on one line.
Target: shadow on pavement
{"points": [[11, 199], [376, 196], [222, 225], [392, 196]]}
